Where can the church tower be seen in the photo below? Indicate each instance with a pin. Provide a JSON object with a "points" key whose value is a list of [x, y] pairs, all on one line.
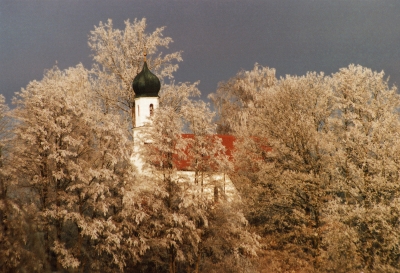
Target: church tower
{"points": [[146, 86]]}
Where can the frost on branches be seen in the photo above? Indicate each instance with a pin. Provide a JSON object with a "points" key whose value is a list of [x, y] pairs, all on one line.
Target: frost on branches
{"points": [[367, 168], [72, 198], [75, 160], [325, 197], [235, 98], [316, 165], [186, 223], [13, 226], [118, 56]]}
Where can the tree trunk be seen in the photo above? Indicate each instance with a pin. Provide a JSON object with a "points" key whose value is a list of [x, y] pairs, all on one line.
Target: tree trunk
{"points": [[172, 264], [197, 261]]}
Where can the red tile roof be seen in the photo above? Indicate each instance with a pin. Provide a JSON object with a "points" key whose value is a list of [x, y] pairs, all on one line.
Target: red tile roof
{"points": [[226, 140]]}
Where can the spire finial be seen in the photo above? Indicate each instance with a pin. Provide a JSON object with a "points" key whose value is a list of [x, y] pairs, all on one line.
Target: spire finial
{"points": [[146, 84]]}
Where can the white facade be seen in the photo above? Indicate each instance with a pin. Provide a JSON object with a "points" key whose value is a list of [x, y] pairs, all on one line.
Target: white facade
{"points": [[144, 107]]}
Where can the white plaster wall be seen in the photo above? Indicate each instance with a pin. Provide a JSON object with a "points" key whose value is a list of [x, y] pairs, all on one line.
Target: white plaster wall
{"points": [[142, 110], [211, 180]]}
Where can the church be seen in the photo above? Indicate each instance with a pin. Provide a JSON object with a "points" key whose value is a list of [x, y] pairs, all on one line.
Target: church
{"points": [[146, 86]]}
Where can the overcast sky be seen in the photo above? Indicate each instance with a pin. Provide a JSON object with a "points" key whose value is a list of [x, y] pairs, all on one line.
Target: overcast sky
{"points": [[218, 37]]}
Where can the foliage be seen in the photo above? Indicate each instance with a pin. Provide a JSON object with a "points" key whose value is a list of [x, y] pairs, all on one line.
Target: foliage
{"points": [[74, 159], [317, 156], [118, 56], [315, 169], [13, 226], [79, 205], [187, 216], [235, 98]]}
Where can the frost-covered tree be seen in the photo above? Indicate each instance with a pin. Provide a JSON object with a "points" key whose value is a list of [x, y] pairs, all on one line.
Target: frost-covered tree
{"points": [[235, 98], [290, 141], [14, 255], [82, 207], [179, 207], [7, 261], [319, 168], [75, 160], [206, 154], [118, 56], [225, 243], [366, 127], [173, 212]]}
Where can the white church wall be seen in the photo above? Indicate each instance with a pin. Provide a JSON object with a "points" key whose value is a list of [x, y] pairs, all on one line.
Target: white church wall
{"points": [[143, 108]]}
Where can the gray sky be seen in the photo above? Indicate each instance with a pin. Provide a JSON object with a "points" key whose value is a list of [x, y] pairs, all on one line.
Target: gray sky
{"points": [[218, 37]]}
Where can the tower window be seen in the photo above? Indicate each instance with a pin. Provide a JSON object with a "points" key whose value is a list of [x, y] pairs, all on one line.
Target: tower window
{"points": [[138, 111], [151, 110]]}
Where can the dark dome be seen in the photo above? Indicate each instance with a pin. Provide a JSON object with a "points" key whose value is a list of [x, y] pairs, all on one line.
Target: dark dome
{"points": [[146, 84]]}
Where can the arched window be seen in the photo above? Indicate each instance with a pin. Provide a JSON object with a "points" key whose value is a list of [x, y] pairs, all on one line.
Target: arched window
{"points": [[151, 110]]}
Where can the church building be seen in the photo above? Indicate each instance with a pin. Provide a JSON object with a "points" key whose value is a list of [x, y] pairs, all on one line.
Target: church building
{"points": [[146, 86]]}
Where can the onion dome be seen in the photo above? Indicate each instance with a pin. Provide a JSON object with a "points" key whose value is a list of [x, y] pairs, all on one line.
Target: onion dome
{"points": [[146, 84]]}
